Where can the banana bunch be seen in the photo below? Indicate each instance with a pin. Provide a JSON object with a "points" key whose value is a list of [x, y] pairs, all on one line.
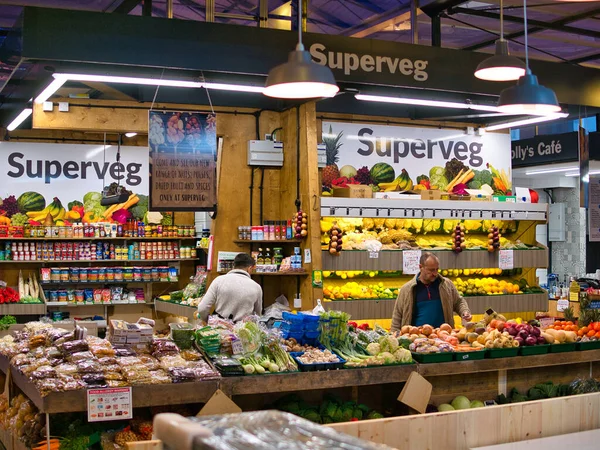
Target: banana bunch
{"points": [[55, 209], [401, 183]]}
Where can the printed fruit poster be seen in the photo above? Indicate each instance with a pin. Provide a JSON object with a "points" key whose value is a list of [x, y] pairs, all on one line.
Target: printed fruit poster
{"points": [[59, 184], [394, 158], [183, 155]]}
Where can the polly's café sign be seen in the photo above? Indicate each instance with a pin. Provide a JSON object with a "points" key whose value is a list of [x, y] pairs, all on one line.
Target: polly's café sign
{"points": [[545, 149]]}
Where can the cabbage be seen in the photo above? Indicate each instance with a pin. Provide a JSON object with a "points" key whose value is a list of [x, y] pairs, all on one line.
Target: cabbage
{"points": [[477, 404], [445, 407], [92, 196], [461, 402], [436, 171], [439, 180], [95, 207], [388, 344]]}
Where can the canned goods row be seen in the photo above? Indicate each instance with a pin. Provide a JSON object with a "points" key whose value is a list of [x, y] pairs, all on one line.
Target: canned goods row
{"points": [[108, 274], [99, 230], [105, 296]]}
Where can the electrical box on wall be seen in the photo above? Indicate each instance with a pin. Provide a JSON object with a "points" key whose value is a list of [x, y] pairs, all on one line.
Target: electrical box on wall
{"points": [[556, 222], [321, 155], [265, 153]]}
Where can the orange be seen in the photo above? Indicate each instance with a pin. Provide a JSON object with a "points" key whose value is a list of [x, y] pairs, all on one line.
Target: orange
{"points": [[584, 330], [580, 333], [569, 323], [597, 326], [591, 333]]}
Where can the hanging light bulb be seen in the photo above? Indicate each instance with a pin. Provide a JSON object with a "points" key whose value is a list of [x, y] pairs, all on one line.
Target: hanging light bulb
{"points": [[528, 97], [300, 77], [501, 66]]}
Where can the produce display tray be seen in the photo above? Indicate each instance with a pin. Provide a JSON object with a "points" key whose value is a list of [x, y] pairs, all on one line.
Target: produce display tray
{"points": [[502, 352], [383, 365], [589, 345], [469, 356], [425, 358], [534, 350], [561, 348], [318, 366]]}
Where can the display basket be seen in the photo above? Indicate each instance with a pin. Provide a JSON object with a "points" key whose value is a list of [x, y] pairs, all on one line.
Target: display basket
{"points": [[534, 350], [502, 352], [588, 345], [562, 348], [426, 358], [317, 366], [469, 356]]}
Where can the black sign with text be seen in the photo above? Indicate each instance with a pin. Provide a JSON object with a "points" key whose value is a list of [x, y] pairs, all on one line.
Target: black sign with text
{"points": [[545, 149]]}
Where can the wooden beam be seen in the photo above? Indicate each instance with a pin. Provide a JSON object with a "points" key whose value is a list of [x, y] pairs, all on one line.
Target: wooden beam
{"points": [[110, 92], [380, 26]]}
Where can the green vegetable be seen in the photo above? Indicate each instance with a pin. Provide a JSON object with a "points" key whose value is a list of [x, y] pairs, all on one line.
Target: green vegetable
{"points": [[74, 203], [6, 322], [453, 167], [481, 177], [445, 407], [421, 178], [440, 181], [374, 415], [312, 415], [18, 220], [357, 413], [140, 209], [436, 171], [92, 197], [94, 207], [461, 402]]}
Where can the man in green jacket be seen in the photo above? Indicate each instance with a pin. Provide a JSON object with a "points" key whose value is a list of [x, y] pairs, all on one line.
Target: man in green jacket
{"points": [[428, 298]]}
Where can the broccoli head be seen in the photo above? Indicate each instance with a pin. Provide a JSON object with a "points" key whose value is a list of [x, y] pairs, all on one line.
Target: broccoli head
{"points": [[140, 209]]}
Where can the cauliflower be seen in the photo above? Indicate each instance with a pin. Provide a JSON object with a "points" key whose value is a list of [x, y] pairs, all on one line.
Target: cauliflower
{"points": [[388, 344], [389, 223], [403, 356], [386, 357], [368, 223], [374, 349]]}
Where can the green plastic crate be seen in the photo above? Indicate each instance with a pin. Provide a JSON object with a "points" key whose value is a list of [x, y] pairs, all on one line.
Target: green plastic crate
{"points": [[534, 350], [469, 356], [502, 352], [426, 358], [561, 348], [588, 345]]}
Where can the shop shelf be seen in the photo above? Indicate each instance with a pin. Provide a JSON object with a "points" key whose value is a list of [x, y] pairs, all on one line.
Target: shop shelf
{"points": [[589, 345], [278, 274], [186, 238], [267, 241], [562, 348], [176, 309], [469, 356], [363, 309], [392, 259], [534, 350], [83, 305], [426, 358], [50, 284], [502, 352], [97, 261]]}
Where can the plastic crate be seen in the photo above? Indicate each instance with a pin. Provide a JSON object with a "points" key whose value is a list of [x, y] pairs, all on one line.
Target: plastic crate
{"points": [[561, 348], [318, 366], [469, 356], [588, 345], [502, 352], [426, 358], [534, 350], [292, 318], [312, 334]]}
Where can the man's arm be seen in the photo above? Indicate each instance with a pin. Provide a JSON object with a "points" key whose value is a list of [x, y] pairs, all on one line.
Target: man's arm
{"points": [[258, 303], [208, 301], [397, 315], [460, 304]]}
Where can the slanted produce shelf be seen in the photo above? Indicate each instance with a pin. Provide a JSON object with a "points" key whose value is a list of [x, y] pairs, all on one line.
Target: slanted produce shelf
{"points": [[392, 259], [97, 261], [174, 308], [22, 309], [383, 308]]}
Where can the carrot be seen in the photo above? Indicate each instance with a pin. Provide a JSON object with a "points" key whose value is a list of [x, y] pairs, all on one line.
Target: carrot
{"points": [[129, 203], [469, 175], [132, 198], [454, 181]]}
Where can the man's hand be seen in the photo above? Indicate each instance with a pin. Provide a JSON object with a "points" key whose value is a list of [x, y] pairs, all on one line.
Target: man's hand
{"points": [[466, 316]]}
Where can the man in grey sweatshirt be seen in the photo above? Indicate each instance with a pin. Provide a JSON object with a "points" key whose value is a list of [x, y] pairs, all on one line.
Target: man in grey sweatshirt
{"points": [[234, 295]]}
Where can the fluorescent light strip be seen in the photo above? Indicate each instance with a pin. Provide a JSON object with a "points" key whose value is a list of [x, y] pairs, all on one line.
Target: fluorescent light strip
{"points": [[522, 122], [576, 174], [127, 80], [19, 119], [50, 89], [235, 87], [422, 102], [130, 135], [555, 170]]}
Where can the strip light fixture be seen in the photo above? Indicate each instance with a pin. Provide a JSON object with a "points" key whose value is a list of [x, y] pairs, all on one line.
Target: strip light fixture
{"points": [[423, 102], [576, 174], [552, 170], [522, 122], [19, 119]]}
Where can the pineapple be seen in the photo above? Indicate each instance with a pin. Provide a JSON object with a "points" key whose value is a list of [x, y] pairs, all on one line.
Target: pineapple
{"points": [[568, 313], [332, 144]]}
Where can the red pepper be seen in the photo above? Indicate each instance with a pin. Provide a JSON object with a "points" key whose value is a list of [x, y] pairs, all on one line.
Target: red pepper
{"points": [[353, 324], [364, 326]]}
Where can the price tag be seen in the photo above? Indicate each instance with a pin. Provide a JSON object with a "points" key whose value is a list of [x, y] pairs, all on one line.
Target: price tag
{"points": [[109, 404], [374, 255], [410, 261], [561, 305], [506, 259], [237, 347]]}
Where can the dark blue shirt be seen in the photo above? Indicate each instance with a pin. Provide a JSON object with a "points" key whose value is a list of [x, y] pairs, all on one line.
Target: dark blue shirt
{"points": [[428, 305]]}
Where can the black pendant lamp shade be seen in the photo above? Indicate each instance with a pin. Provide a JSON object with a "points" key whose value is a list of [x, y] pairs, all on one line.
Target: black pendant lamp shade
{"points": [[300, 77], [501, 66], [528, 97]]}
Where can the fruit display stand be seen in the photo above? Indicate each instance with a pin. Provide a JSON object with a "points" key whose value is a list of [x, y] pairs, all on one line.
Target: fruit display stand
{"points": [[481, 426], [527, 255], [175, 309]]}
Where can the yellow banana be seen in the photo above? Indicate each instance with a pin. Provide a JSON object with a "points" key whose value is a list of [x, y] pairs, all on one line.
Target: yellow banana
{"points": [[60, 215]]}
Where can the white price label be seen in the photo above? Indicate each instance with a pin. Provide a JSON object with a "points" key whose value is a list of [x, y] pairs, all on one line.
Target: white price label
{"points": [[410, 261], [374, 255], [237, 347], [561, 305], [109, 404], [506, 259]]}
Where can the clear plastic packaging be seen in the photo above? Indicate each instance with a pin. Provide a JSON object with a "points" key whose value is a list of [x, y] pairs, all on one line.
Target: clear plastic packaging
{"points": [[90, 366], [81, 356], [71, 347]]}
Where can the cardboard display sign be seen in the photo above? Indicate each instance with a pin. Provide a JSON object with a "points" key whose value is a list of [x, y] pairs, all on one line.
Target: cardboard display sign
{"points": [[219, 403]]}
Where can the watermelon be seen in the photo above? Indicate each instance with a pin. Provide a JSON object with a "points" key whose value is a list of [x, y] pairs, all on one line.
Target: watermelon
{"points": [[382, 173], [31, 201]]}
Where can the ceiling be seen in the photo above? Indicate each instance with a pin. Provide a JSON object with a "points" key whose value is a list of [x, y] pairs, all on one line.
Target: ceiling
{"points": [[560, 31]]}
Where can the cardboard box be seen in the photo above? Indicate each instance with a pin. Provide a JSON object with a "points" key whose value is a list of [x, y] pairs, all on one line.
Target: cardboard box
{"points": [[353, 191], [431, 194], [396, 195], [416, 392]]}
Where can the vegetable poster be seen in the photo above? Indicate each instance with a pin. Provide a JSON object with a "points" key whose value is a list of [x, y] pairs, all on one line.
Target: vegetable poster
{"points": [[183, 154], [393, 158], [63, 183]]}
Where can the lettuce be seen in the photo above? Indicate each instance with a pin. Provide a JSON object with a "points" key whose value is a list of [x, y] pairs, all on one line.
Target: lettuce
{"points": [[92, 196]]}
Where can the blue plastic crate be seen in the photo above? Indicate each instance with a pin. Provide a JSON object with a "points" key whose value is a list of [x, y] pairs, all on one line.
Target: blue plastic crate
{"points": [[292, 318], [312, 334]]}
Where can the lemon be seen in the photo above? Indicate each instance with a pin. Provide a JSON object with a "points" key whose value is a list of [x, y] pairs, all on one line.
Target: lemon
{"points": [[326, 274], [444, 273], [466, 272]]}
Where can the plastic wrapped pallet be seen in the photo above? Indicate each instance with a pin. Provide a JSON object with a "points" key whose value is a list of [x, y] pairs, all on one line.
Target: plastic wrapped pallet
{"points": [[264, 430]]}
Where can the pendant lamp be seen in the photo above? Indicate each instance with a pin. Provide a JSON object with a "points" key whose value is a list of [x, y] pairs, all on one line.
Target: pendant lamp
{"points": [[528, 97], [300, 77], [501, 66]]}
